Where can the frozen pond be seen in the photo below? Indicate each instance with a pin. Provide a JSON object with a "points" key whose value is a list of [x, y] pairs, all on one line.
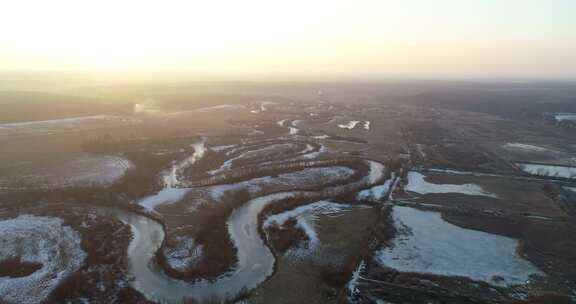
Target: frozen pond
{"points": [[418, 184], [425, 243], [548, 170]]}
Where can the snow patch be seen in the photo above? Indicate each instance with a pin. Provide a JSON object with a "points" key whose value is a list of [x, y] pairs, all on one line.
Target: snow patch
{"points": [[548, 170], [525, 147], [184, 255], [350, 125], [43, 240], [565, 117], [416, 183]]}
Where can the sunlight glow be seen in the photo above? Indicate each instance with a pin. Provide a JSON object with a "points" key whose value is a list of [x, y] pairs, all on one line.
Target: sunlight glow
{"points": [[290, 37]]}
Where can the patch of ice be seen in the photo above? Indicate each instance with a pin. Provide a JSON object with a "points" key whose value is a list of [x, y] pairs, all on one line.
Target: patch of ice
{"points": [[313, 155], [353, 284], [525, 147], [565, 117], [425, 243], [367, 125], [293, 131], [548, 170], [43, 240], [350, 125], [376, 172], [221, 148], [164, 196], [416, 183], [323, 136], [281, 122]]}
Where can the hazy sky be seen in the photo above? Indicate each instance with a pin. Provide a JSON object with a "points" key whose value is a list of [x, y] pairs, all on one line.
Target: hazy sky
{"points": [[292, 39]]}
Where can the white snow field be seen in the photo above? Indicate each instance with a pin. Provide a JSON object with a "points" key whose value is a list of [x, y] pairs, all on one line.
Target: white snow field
{"points": [[548, 170], [416, 183], [82, 169], [43, 240], [425, 243]]}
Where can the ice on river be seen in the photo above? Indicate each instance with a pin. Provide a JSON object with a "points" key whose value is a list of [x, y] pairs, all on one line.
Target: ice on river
{"points": [[43, 240], [376, 193], [306, 217], [416, 183], [425, 243]]}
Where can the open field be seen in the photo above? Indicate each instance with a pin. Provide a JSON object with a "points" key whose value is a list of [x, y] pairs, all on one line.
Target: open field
{"points": [[363, 194]]}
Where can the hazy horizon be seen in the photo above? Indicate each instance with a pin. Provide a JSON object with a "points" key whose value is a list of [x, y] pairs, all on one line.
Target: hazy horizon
{"points": [[297, 40]]}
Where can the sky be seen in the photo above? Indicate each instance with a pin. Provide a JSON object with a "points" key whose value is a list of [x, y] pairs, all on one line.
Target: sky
{"points": [[291, 40]]}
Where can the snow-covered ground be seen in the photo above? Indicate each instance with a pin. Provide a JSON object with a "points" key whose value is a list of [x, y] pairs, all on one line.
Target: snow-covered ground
{"points": [[548, 170], [313, 155], [298, 179], [281, 122], [95, 169], [425, 243], [187, 253], [260, 152], [354, 283], [323, 136], [525, 147], [78, 170], [353, 123], [416, 183], [43, 240]]}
